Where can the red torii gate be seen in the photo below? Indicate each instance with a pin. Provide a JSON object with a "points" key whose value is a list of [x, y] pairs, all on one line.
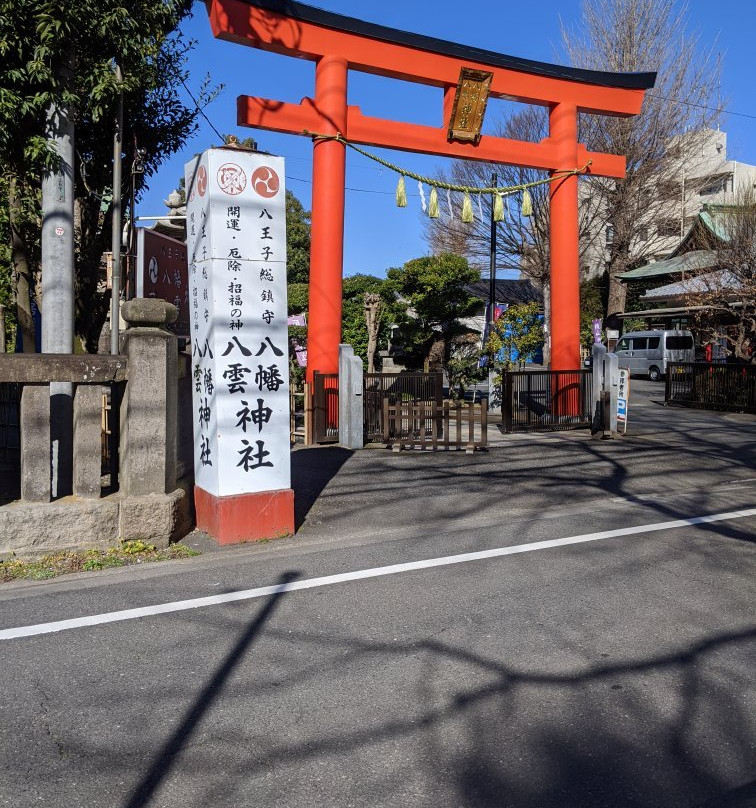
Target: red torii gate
{"points": [[337, 44]]}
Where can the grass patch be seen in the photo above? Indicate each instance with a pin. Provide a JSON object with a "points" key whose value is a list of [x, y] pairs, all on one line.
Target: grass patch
{"points": [[50, 566]]}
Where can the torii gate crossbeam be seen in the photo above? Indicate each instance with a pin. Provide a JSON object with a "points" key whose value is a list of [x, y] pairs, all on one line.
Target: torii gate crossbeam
{"points": [[338, 44]]}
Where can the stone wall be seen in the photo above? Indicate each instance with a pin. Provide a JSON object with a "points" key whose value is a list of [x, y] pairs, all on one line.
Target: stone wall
{"points": [[154, 499]]}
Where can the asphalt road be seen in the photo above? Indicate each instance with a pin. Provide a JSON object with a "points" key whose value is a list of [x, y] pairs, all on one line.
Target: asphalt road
{"points": [[617, 671]]}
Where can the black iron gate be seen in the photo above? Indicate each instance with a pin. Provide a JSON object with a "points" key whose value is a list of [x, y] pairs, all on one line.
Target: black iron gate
{"points": [[546, 400], [711, 386]]}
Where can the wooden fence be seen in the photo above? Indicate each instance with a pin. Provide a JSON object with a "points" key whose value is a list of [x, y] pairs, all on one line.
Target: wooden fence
{"points": [[300, 408], [428, 425], [404, 387]]}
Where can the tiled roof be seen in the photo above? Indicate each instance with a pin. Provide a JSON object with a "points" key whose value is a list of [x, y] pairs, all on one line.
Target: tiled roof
{"points": [[507, 291], [723, 279], [693, 261]]}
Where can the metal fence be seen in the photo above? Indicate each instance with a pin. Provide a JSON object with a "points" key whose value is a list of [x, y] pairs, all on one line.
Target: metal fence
{"points": [[397, 388], [711, 386], [546, 400]]}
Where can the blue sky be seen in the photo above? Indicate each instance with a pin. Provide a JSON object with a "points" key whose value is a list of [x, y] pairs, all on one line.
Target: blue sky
{"points": [[377, 234]]}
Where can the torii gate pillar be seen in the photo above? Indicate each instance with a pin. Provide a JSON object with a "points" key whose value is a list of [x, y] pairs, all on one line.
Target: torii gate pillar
{"points": [[327, 235], [564, 251]]}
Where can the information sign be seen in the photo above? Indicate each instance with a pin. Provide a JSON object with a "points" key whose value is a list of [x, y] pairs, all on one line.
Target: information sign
{"points": [[623, 399]]}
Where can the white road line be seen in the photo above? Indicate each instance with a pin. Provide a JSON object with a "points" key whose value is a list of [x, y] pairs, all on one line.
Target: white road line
{"points": [[375, 572]]}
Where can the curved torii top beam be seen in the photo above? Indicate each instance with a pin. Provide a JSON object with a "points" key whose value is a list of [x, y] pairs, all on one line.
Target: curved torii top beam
{"points": [[306, 32], [292, 36], [338, 44]]}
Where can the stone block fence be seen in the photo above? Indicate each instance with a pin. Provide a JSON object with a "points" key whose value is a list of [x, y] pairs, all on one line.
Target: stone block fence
{"points": [[63, 504]]}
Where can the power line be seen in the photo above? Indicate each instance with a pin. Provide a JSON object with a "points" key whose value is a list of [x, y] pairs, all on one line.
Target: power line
{"points": [[702, 106], [201, 111], [347, 188]]}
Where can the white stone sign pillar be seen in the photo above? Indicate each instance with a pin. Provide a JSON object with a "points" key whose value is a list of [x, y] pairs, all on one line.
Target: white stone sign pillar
{"points": [[236, 240]]}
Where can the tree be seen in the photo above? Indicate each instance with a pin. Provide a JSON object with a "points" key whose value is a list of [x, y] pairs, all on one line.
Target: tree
{"points": [[463, 368], [592, 307], [64, 54], [728, 294], [433, 293], [297, 240], [522, 242], [663, 143], [517, 334], [298, 298], [374, 306], [354, 320]]}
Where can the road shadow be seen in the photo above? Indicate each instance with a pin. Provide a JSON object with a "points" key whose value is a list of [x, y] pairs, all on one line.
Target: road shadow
{"points": [[168, 756], [311, 471]]}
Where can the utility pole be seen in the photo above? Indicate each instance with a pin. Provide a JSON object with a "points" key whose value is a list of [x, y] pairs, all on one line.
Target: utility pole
{"points": [[115, 299], [58, 287]]}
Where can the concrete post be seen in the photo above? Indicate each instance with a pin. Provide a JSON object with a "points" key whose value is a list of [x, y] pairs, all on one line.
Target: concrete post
{"points": [[611, 383], [351, 413], [58, 287], [35, 443], [87, 437], [148, 410]]}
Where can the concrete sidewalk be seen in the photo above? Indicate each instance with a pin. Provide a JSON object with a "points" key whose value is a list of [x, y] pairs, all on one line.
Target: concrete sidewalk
{"points": [[667, 453]]}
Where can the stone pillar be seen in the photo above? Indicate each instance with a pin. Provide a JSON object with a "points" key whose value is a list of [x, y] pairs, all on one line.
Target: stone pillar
{"points": [[611, 384], [351, 408], [35, 443], [598, 354], [87, 440], [148, 409], [605, 388]]}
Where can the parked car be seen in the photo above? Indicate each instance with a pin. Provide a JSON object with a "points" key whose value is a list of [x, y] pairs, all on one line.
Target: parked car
{"points": [[649, 352]]}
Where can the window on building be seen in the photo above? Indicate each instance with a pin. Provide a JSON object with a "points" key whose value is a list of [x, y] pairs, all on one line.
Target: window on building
{"points": [[714, 187], [642, 234], [668, 227], [609, 234]]}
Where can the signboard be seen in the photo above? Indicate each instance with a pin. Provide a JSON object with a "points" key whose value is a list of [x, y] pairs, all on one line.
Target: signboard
{"points": [[623, 398], [236, 237], [597, 331], [300, 351], [469, 106], [162, 271]]}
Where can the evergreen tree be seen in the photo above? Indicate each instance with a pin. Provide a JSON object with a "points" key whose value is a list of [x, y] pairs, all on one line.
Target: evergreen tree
{"points": [[435, 298], [64, 54]]}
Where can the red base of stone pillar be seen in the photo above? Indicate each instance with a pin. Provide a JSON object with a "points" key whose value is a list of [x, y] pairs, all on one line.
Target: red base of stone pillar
{"points": [[245, 517]]}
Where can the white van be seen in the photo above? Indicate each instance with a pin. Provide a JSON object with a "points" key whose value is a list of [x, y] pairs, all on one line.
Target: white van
{"points": [[648, 352]]}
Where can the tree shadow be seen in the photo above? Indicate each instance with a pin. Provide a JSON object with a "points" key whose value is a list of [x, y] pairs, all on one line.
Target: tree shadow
{"points": [[168, 756]]}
